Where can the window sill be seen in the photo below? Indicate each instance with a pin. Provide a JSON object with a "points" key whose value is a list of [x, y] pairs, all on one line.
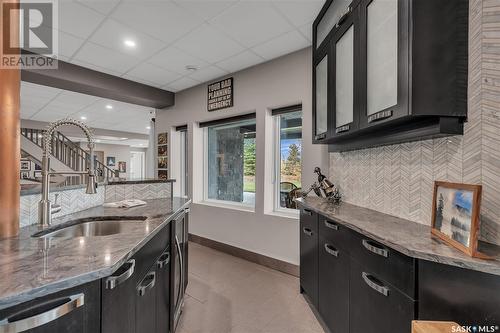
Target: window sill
{"points": [[289, 215], [242, 208]]}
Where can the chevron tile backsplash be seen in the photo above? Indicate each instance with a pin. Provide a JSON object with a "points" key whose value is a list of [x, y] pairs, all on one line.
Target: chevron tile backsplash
{"points": [[71, 201], [137, 191], [399, 179]]}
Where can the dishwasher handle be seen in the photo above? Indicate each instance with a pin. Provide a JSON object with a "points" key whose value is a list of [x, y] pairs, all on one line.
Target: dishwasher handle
{"points": [[20, 323]]}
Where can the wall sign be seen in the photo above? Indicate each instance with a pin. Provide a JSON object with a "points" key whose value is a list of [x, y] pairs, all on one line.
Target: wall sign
{"points": [[220, 95]]}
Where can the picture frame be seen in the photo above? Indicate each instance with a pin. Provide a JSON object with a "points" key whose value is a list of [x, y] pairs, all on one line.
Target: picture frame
{"points": [[455, 216], [162, 151], [25, 165], [122, 167], [163, 138], [163, 162], [163, 174], [111, 161]]}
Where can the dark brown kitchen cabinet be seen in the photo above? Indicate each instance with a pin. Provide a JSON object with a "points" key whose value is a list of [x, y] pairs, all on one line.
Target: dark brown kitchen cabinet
{"points": [[163, 292], [375, 305], [333, 286], [309, 255], [406, 78], [72, 310], [145, 303]]}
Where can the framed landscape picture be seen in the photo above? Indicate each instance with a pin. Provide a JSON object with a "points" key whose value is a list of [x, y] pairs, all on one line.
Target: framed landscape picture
{"points": [[163, 174], [162, 162], [455, 216]]}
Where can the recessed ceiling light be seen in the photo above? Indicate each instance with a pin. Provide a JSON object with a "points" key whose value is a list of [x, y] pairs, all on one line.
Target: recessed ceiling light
{"points": [[148, 127], [109, 106], [97, 140], [129, 43], [83, 118], [191, 68], [123, 138]]}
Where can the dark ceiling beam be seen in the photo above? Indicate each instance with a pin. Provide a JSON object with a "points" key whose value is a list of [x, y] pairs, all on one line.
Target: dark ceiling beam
{"points": [[87, 81]]}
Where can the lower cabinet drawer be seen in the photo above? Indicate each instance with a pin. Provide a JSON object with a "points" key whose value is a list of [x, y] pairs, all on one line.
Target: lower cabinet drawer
{"points": [[388, 264], [337, 233], [376, 306], [333, 287]]}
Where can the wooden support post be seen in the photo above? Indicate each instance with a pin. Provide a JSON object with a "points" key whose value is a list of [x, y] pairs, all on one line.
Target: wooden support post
{"points": [[10, 150]]}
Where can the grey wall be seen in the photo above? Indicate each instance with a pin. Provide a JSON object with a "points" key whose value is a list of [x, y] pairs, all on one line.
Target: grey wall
{"points": [[281, 82], [398, 179]]}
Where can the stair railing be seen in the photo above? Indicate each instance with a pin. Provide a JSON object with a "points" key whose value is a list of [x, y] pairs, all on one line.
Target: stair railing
{"points": [[68, 152]]}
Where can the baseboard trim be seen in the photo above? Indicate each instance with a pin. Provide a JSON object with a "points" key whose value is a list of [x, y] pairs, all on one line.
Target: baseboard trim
{"points": [[257, 258]]}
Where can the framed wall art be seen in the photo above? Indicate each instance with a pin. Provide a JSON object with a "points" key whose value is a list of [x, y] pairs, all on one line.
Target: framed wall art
{"points": [[455, 215]]}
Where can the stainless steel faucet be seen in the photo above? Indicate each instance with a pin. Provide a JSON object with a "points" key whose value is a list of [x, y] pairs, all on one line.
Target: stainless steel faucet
{"points": [[45, 207]]}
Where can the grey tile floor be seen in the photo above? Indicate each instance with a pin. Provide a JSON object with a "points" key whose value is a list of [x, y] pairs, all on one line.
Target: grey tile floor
{"points": [[231, 295]]}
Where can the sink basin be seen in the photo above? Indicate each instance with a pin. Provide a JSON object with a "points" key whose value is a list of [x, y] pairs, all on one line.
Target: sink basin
{"points": [[89, 227]]}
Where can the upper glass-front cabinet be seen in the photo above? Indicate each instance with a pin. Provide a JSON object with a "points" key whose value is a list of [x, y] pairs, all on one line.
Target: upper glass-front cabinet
{"points": [[330, 18], [321, 98], [344, 81], [384, 50], [382, 55]]}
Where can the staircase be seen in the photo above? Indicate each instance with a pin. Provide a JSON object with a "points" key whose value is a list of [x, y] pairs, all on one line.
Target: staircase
{"points": [[66, 155]]}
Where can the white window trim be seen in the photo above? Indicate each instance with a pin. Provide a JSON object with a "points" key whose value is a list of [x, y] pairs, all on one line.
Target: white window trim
{"points": [[277, 209], [213, 202]]}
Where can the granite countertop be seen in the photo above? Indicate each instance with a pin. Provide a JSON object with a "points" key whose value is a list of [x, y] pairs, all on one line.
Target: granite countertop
{"points": [[407, 237], [33, 267]]}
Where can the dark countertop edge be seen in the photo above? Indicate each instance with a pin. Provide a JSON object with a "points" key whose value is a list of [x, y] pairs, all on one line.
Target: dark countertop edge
{"points": [[51, 288], [475, 264], [144, 181]]}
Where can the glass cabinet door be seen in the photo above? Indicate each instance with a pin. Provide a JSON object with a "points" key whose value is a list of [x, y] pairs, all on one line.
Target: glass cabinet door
{"points": [[331, 17], [321, 104], [381, 59], [344, 81]]}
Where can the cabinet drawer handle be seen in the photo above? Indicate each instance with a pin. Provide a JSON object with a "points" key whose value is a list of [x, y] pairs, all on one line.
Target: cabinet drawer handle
{"points": [[307, 231], [380, 116], [331, 225], [375, 248], [115, 280], [320, 136], [163, 260], [375, 284], [15, 325], [331, 250], [307, 212], [343, 17], [147, 284]]}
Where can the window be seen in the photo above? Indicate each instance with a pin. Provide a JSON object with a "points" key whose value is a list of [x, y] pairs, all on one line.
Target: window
{"points": [[230, 162], [183, 161], [288, 151]]}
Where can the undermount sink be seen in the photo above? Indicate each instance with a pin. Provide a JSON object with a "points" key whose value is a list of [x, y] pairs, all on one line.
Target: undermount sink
{"points": [[89, 227]]}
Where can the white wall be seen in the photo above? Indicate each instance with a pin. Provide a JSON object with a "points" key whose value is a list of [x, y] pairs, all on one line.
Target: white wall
{"points": [[120, 152], [281, 82]]}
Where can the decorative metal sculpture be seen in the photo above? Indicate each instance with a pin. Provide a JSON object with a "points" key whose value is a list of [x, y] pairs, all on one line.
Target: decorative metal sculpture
{"points": [[323, 188]]}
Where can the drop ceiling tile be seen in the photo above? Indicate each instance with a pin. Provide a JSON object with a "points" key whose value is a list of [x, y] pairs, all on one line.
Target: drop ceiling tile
{"points": [[176, 60], [102, 6], [77, 19], [252, 22], [206, 9], [182, 84], [153, 74], [299, 12], [164, 20], [108, 59], [112, 34], [240, 61], [208, 44], [281, 45], [306, 31], [208, 74], [27, 111], [36, 90]]}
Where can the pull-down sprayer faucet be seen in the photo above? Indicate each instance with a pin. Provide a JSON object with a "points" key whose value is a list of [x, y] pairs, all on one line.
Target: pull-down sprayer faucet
{"points": [[45, 207]]}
